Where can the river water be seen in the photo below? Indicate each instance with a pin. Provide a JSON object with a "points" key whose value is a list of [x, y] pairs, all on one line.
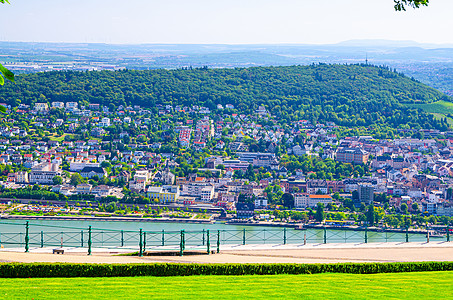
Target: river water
{"points": [[75, 233]]}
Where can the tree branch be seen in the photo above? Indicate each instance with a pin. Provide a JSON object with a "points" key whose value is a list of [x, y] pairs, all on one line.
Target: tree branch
{"points": [[400, 5]]}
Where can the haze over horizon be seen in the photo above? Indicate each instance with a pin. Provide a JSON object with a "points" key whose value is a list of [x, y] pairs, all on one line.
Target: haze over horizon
{"points": [[347, 43], [232, 22]]}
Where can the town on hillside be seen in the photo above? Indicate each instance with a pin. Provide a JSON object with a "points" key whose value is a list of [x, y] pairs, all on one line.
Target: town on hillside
{"points": [[243, 164]]}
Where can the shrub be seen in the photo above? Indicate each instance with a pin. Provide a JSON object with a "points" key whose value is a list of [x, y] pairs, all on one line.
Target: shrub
{"points": [[19, 270]]}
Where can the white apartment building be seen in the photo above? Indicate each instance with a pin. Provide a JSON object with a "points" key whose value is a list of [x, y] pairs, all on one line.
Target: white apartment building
{"points": [[83, 188], [142, 175], [57, 105], [78, 166], [22, 177], [198, 190], [44, 173], [41, 107], [138, 185], [260, 202], [301, 200], [71, 105], [207, 193], [101, 190]]}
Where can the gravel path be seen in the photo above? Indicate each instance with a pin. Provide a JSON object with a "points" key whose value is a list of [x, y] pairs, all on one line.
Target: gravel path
{"points": [[328, 253]]}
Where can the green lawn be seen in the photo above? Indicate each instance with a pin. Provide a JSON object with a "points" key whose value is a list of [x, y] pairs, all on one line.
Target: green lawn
{"points": [[429, 285], [60, 139]]}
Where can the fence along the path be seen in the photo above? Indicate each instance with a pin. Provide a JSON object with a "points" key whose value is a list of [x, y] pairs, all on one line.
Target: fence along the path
{"points": [[142, 240]]}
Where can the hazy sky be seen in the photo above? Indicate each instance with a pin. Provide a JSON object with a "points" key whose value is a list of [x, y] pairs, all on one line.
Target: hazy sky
{"points": [[215, 21]]}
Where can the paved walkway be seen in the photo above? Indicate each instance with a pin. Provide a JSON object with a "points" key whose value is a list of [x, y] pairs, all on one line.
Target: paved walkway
{"points": [[310, 253]]}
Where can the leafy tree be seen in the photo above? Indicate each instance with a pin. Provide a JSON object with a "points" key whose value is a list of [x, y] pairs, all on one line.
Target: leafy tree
{"points": [[250, 173], [319, 192], [415, 206], [8, 75], [57, 180], [370, 215], [274, 194], [245, 198], [349, 204], [320, 215], [401, 5], [404, 208], [407, 222], [106, 164], [111, 207], [4, 71], [361, 218], [362, 207], [76, 179], [288, 200], [381, 198]]}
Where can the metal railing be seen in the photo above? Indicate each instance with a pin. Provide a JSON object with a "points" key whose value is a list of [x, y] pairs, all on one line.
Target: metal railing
{"points": [[89, 238]]}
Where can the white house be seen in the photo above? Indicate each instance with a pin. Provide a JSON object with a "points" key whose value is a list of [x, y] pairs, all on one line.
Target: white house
{"points": [[71, 105], [300, 200], [105, 122], [57, 105]]}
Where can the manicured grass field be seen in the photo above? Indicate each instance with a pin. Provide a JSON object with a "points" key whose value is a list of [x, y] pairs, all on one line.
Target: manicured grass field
{"points": [[426, 285]]}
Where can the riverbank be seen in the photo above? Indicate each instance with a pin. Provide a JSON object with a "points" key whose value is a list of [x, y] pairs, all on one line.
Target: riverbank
{"points": [[265, 224], [363, 228], [97, 218]]}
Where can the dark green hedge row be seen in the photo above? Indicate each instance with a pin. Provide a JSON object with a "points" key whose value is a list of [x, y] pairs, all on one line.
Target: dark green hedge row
{"points": [[18, 270]]}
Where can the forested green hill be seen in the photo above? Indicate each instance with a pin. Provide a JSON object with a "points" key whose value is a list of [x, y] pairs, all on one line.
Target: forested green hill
{"points": [[349, 95]]}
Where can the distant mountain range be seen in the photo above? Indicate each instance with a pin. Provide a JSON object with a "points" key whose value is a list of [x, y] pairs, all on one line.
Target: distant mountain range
{"points": [[429, 63], [391, 43]]}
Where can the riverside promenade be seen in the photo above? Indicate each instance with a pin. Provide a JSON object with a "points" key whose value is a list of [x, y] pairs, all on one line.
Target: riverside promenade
{"points": [[269, 253]]}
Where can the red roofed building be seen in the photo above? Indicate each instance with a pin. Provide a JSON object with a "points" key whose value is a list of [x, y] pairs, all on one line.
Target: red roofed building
{"points": [[313, 200]]}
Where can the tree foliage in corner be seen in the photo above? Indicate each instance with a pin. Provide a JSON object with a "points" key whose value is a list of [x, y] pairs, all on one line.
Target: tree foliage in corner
{"points": [[4, 71], [400, 5]]}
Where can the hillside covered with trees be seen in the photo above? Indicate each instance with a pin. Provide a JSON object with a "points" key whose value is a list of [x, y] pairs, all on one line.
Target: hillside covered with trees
{"points": [[349, 95]]}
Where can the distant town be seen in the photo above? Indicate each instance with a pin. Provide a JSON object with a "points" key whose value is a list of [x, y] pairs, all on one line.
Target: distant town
{"points": [[188, 156]]}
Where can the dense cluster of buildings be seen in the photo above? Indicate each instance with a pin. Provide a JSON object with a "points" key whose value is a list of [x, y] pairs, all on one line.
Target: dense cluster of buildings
{"points": [[408, 170]]}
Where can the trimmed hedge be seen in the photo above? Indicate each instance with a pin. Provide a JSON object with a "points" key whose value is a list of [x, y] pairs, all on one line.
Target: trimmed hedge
{"points": [[20, 270]]}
